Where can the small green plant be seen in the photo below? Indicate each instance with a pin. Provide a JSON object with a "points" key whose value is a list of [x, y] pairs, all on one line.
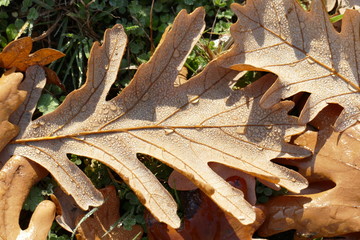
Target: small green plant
{"points": [[264, 193]]}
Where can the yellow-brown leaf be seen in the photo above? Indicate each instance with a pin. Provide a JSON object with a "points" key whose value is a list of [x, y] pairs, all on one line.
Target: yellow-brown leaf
{"points": [[305, 51], [330, 206], [16, 179], [203, 120], [10, 99], [17, 54]]}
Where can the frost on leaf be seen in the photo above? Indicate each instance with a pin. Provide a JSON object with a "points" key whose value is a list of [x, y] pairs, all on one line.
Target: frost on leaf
{"points": [[330, 206], [305, 51], [186, 126]]}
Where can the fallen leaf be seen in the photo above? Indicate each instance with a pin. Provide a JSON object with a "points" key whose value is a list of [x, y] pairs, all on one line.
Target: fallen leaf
{"points": [[304, 50], [97, 225], [348, 4], [16, 178], [330, 4], [205, 220], [10, 100], [330, 206], [17, 54], [185, 127], [67, 211], [52, 77], [181, 183]]}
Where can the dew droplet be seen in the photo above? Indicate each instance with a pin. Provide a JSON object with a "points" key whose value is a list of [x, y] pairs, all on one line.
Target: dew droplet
{"points": [[35, 125], [113, 107], [195, 100], [234, 117], [81, 137], [243, 120], [41, 123], [260, 148], [241, 130], [83, 109], [199, 128], [106, 67], [282, 36], [37, 151], [176, 53], [352, 88], [302, 25], [145, 97], [292, 64], [168, 131], [268, 125], [257, 138], [92, 90], [293, 179], [310, 60]]}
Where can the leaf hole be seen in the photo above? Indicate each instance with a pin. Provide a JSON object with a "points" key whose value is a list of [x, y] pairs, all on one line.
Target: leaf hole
{"points": [[288, 163], [159, 169], [124, 76], [248, 78], [299, 99]]}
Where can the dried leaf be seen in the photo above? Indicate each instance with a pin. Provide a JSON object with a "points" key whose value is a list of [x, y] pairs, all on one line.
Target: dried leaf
{"points": [[199, 209], [16, 178], [52, 77], [99, 224], [330, 4], [179, 182], [348, 4], [10, 99], [67, 211], [330, 207], [17, 54], [182, 77], [304, 50], [186, 127]]}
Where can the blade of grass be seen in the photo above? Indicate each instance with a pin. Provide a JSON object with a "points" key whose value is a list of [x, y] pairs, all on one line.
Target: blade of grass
{"points": [[91, 212]]}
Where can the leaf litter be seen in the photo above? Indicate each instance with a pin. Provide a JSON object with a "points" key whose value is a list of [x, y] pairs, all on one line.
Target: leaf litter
{"points": [[186, 127]]}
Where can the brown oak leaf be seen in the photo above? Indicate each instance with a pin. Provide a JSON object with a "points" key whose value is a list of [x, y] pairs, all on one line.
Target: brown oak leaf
{"points": [[10, 100], [17, 177], [205, 220], [203, 120], [98, 225], [304, 50], [330, 206], [181, 183], [17, 54]]}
